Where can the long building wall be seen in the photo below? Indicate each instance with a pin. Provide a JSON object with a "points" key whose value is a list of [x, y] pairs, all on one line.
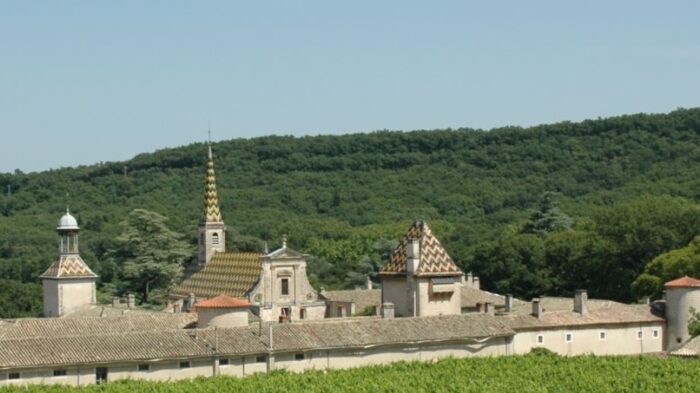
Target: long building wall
{"points": [[240, 366], [587, 340]]}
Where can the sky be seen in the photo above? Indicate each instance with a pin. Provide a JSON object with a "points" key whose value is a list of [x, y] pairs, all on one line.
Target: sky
{"points": [[88, 81]]}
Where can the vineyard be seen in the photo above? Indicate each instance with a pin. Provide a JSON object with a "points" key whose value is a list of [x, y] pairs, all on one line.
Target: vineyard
{"points": [[531, 373]]}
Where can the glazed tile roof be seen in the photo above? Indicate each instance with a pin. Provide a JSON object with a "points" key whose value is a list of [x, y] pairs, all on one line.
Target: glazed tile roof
{"points": [[69, 266], [222, 301], [229, 273], [362, 298], [683, 282], [434, 260], [558, 312], [211, 211]]}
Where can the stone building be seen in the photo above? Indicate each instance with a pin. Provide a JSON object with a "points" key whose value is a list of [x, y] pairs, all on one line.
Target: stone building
{"points": [[68, 284]]}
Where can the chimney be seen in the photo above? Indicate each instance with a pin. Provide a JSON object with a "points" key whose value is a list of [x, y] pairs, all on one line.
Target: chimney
{"points": [[509, 303], [190, 301], [489, 309], [581, 301], [412, 255], [388, 310], [537, 310], [130, 301], [480, 307], [369, 283], [470, 278], [115, 301], [646, 300], [475, 283]]}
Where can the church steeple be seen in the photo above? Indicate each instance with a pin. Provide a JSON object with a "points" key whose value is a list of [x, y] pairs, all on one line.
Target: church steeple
{"points": [[212, 231]]}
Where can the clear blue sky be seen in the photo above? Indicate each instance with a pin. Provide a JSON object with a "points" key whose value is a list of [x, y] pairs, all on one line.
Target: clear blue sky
{"points": [[89, 81]]}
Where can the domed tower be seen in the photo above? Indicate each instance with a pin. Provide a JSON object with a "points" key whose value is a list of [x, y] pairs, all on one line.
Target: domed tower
{"points": [[212, 231], [68, 283], [681, 295]]}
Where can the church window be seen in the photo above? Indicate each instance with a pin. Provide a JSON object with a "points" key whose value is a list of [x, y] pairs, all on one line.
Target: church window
{"points": [[144, 367], [184, 364], [215, 239], [60, 372], [285, 286], [13, 376]]}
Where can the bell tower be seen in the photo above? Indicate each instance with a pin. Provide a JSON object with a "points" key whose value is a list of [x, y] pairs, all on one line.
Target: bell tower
{"points": [[212, 231]]}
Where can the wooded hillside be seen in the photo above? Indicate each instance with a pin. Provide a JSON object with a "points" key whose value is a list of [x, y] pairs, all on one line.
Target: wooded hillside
{"points": [[544, 209]]}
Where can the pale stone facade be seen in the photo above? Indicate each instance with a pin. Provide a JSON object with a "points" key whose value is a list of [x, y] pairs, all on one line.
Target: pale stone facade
{"points": [[283, 291], [679, 301]]}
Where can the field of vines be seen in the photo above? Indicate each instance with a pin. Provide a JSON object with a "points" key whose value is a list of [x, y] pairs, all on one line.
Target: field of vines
{"points": [[531, 373]]}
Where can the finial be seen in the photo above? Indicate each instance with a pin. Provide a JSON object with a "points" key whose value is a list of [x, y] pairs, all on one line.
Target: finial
{"points": [[67, 210], [209, 132], [284, 241]]}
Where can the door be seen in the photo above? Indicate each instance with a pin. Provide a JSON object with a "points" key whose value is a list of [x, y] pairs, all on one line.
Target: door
{"points": [[100, 375]]}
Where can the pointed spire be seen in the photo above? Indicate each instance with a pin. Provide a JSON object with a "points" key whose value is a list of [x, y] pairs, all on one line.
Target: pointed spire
{"points": [[211, 197]]}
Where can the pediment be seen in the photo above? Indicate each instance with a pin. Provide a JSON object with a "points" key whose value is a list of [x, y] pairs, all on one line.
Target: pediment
{"points": [[285, 253]]}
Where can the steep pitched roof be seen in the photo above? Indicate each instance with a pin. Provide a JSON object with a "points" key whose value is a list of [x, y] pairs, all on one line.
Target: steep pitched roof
{"points": [[683, 282], [69, 266], [211, 211], [229, 273], [434, 260], [222, 301]]}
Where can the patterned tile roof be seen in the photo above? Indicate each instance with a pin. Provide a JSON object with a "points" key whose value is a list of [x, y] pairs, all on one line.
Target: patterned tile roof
{"points": [[229, 273], [222, 301], [211, 211], [434, 260], [68, 266], [683, 282]]}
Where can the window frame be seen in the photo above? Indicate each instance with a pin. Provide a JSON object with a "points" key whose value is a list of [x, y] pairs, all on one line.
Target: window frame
{"points": [[14, 375], [299, 356], [261, 359], [655, 334], [215, 239], [602, 335], [284, 286], [223, 361], [60, 372], [540, 339], [640, 335], [142, 367], [568, 337], [185, 364]]}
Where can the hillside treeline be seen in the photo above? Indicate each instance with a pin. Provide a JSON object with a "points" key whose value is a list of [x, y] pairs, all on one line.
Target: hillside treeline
{"points": [[539, 210]]}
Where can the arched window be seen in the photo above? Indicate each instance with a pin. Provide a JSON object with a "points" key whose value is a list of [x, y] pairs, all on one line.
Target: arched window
{"points": [[215, 239]]}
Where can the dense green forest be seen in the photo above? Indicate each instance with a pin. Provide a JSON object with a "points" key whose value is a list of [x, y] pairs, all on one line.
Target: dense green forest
{"points": [[538, 210], [530, 373]]}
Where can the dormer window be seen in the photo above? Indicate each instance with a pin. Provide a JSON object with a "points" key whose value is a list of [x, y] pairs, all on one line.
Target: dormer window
{"points": [[215, 239]]}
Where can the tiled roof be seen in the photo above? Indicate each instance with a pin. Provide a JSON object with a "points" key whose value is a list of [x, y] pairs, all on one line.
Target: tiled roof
{"points": [[362, 298], [683, 282], [471, 296], [434, 260], [691, 348], [86, 344], [59, 327], [68, 266], [222, 301], [229, 273], [558, 312], [211, 211]]}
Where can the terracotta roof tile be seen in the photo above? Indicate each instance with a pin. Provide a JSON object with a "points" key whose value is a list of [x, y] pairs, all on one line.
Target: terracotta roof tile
{"points": [[223, 301], [68, 266], [683, 282]]}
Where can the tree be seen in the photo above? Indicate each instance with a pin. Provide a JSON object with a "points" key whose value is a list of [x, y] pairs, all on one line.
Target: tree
{"points": [[666, 267], [153, 255], [548, 218]]}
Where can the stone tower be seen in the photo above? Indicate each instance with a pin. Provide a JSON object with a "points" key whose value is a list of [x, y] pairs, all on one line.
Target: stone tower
{"points": [[212, 231], [681, 295], [68, 283]]}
